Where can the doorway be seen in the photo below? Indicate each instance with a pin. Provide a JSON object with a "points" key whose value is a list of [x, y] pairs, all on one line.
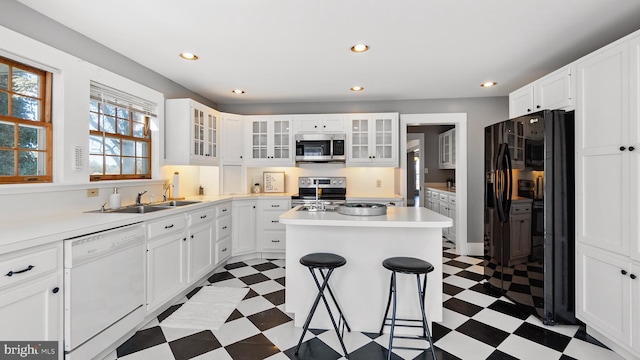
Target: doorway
{"points": [[459, 120], [415, 177]]}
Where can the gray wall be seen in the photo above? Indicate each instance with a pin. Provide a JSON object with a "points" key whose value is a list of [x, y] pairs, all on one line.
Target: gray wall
{"points": [[432, 153], [24, 20], [480, 113]]}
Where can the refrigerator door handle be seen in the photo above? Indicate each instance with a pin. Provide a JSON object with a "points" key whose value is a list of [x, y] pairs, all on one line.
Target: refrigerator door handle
{"points": [[499, 183], [509, 176]]}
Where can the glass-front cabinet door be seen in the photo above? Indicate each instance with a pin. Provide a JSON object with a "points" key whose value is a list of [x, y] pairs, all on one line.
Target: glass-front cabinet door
{"points": [[270, 141], [373, 139], [205, 132]]}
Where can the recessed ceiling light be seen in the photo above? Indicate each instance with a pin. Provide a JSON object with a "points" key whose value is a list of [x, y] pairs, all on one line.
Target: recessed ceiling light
{"points": [[489, 84], [359, 48], [237, 91], [357, 88], [189, 56]]}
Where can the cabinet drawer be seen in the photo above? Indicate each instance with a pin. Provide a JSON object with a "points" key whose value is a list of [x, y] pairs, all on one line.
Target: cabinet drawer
{"points": [[452, 199], [444, 197], [520, 209], [166, 226], [271, 221], [25, 265], [284, 205], [435, 195], [223, 209], [202, 216], [223, 249], [274, 240], [223, 227]]}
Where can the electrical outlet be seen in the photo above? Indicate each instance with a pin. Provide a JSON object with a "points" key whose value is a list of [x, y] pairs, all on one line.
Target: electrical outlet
{"points": [[92, 192], [378, 183]]}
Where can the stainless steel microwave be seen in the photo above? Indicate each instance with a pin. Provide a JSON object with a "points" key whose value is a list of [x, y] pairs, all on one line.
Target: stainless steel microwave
{"points": [[320, 147]]}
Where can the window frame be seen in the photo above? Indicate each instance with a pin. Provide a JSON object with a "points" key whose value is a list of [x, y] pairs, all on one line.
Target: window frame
{"points": [[104, 95], [45, 122]]}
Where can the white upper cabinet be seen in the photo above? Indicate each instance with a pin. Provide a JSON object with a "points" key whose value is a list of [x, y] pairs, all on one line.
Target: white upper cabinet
{"points": [[447, 146], [192, 136], [269, 141], [324, 123], [373, 140], [232, 139], [552, 92]]}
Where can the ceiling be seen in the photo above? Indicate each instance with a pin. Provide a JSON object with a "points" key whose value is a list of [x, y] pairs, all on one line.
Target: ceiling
{"points": [[299, 50]]}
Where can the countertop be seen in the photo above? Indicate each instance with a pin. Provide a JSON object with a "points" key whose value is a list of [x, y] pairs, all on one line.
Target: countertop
{"points": [[396, 216], [22, 234], [442, 188]]}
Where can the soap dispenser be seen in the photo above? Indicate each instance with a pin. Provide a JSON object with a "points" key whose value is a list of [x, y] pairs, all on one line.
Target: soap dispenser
{"points": [[115, 200]]}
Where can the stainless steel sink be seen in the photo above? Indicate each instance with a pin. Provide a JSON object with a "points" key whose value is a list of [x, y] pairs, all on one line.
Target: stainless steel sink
{"points": [[173, 203], [137, 209]]}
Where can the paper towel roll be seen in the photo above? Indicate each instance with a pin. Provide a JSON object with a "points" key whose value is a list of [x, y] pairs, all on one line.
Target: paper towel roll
{"points": [[176, 185]]}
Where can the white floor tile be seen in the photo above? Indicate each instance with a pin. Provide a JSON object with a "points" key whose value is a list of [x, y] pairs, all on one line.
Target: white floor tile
{"points": [[476, 269], [217, 354], [569, 330], [524, 349], [452, 319], [266, 287], [254, 305], [286, 335], [448, 269], [162, 351], [235, 331], [255, 261], [278, 356], [243, 271], [465, 347], [582, 350], [237, 283], [498, 320], [352, 340], [446, 297], [280, 262], [469, 260], [274, 273], [475, 297], [459, 281], [403, 353], [176, 333]]}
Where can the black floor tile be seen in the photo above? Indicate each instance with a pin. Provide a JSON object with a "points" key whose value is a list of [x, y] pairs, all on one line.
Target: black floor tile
{"points": [[440, 355], [499, 355], [193, 292], [165, 314], [470, 275], [254, 278], [280, 281], [581, 334], [276, 298], [510, 309], [235, 265], [371, 351], [438, 331], [483, 332], [449, 255], [194, 345], [458, 264], [462, 307], [250, 294], [265, 266], [548, 338], [268, 319], [235, 315], [317, 332], [451, 289], [141, 340], [566, 357], [313, 349], [221, 276], [482, 288], [257, 347], [372, 335]]}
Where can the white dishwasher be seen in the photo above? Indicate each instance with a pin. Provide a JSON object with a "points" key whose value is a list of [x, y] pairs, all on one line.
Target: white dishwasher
{"points": [[104, 289]]}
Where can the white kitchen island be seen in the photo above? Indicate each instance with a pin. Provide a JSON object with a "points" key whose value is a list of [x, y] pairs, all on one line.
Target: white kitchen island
{"points": [[361, 286]]}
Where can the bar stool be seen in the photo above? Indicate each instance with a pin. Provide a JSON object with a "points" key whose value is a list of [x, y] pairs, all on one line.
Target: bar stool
{"points": [[328, 262], [411, 266]]}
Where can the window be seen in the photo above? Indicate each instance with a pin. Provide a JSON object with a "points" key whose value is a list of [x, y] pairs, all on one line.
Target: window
{"points": [[25, 123], [119, 135]]}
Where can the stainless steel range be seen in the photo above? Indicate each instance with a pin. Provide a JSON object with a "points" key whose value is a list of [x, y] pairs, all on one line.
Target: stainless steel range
{"points": [[320, 192]]}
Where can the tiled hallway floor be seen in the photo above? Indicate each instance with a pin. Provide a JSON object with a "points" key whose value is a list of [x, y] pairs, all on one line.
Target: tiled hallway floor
{"points": [[475, 325]]}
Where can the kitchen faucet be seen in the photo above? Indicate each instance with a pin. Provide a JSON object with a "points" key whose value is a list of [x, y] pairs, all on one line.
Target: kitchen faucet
{"points": [[318, 206], [139, 197], [164, 196]]}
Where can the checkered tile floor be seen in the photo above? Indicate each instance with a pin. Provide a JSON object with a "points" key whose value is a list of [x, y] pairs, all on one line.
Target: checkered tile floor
{"points": [[475, 325]]}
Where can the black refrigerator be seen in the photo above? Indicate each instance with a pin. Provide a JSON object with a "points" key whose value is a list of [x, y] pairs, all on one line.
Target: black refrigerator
{"points": [[529, 244]]}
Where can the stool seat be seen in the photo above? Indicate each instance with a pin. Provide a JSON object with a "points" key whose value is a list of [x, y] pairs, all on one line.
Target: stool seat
{"points": [[408, 265], [323, 260]]}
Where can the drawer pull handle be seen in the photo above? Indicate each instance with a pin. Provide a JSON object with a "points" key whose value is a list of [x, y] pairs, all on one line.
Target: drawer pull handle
{"points": [[224, 210], [623, 272], [622, 148], [203, 217], [224, 228], [225, 249], [275, 205], [275, 241], [633, 276], [11, 273], [168, 226], [55, 290], [275, 221]]}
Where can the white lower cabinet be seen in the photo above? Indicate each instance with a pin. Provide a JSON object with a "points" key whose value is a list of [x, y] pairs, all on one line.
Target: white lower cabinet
{"points": [[31, 297], [243, 226], [444, 203], [223, 232], [271, 232], [166, 259]]}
